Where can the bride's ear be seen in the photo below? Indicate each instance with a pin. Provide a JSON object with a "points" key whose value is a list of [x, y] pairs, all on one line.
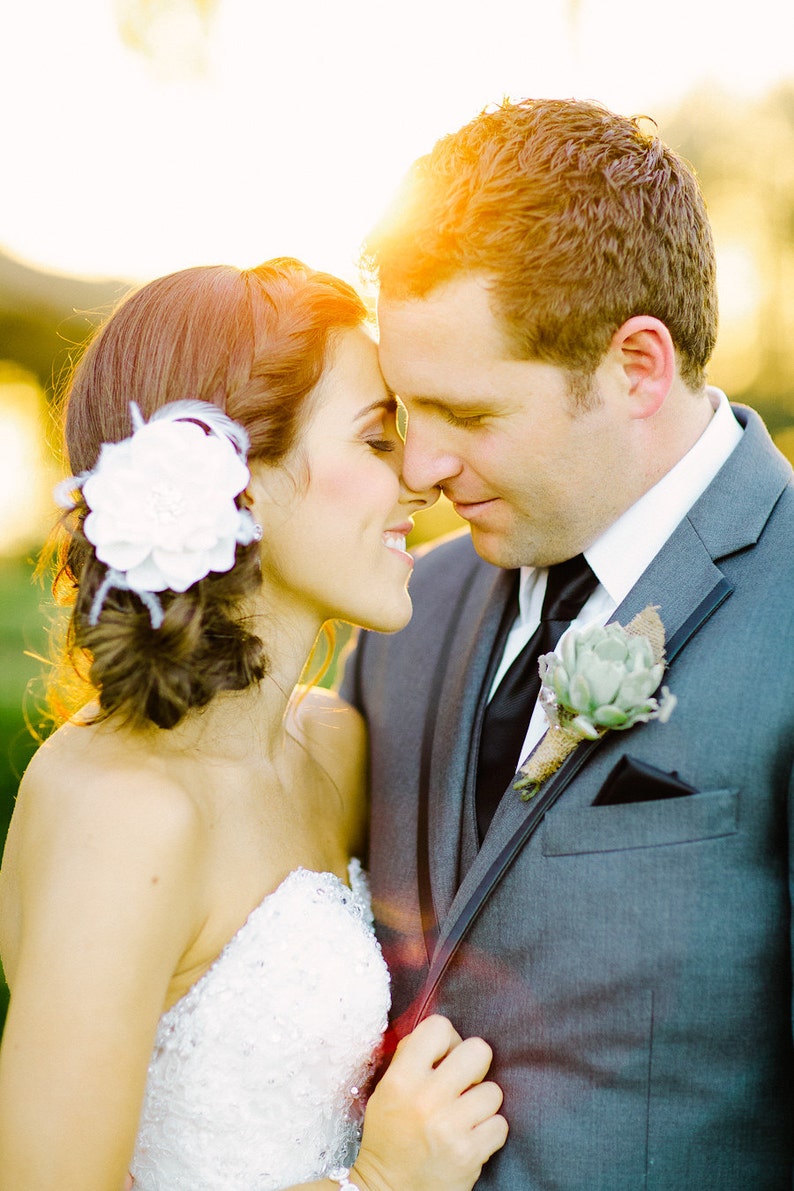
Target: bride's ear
{"points": [[262, 484], [646, 353]]}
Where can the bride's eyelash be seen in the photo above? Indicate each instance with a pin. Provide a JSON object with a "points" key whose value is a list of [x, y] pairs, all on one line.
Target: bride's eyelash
{"points": [[381, 444]]}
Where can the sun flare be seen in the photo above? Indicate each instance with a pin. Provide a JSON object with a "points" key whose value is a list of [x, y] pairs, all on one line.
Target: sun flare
{"points": [[26, 474]]}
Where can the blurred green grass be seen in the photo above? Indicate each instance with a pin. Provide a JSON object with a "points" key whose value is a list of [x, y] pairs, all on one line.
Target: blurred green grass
{"points": [[22, 631]]}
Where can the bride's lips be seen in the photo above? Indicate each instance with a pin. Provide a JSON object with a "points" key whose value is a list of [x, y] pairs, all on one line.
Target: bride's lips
{"points": [[394, 539]]}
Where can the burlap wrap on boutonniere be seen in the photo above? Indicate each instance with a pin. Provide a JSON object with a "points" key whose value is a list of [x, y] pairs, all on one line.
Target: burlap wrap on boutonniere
{"points": [[599, 679]]}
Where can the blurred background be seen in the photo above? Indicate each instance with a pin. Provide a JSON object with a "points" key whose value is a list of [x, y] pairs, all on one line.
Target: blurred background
{"points": [[142, 136]]}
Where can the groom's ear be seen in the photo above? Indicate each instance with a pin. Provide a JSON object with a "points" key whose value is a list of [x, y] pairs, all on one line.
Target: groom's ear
{"points": [[644, 348]]}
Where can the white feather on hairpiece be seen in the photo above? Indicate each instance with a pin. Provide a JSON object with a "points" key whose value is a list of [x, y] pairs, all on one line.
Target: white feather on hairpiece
{"points": [[203, 412]]}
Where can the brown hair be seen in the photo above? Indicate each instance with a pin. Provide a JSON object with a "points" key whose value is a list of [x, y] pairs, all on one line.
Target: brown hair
{"points": [[580, 218], [254, 343]]}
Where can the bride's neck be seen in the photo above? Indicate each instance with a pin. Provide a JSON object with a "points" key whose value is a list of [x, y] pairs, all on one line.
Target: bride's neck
{"points": [[250, 725]]}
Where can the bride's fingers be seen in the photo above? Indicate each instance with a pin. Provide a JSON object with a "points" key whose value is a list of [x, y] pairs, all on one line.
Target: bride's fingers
{"points": [[428, 1045], [480, 1103], [491, 1135], [438, 1031], [465, 1066]]}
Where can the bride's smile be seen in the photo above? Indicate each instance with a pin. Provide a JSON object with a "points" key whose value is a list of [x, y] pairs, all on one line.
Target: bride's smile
{"points": [[338, 499]]}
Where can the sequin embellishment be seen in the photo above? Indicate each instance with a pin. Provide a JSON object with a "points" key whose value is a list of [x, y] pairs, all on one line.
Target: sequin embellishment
{"points": [[258, 1074]]}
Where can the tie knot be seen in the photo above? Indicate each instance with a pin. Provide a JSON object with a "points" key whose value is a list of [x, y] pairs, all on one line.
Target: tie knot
{"points": [[568, 588]]}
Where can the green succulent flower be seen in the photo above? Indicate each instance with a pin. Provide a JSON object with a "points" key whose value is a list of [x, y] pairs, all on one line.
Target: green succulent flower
{"points": [[600, 678]]}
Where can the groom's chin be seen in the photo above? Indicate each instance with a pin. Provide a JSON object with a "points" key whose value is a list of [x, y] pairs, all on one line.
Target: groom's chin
{"points": [[498, 549]]}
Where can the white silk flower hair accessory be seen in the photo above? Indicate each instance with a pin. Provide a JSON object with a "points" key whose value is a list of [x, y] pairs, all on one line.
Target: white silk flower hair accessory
{"points": [[162, 503]]}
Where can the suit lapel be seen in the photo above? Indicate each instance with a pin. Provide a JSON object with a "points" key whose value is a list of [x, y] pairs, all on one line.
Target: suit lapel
{"points": [[460, 682]]}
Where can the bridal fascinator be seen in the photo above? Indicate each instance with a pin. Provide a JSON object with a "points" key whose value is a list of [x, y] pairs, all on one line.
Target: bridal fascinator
{"points": [[162, 510]]}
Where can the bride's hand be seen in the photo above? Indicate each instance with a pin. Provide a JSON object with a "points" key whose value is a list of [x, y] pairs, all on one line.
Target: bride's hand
{"points": [[432, 1121]]}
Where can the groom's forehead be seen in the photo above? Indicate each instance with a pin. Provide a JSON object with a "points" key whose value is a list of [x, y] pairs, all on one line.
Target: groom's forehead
{"points": [[440, 338]]}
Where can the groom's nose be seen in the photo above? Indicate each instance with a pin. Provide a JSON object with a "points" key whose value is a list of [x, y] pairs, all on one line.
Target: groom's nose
{"points": [[427, 460]]}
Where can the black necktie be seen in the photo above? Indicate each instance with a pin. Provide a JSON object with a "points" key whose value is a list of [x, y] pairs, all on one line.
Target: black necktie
{"points": [[568, 587]]}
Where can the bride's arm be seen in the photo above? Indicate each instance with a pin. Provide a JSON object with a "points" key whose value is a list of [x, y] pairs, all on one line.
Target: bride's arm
{"points": [[103, 876]]}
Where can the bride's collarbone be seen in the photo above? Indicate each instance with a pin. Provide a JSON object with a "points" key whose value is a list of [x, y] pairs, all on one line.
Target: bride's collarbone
{"points": [[294, 797]]}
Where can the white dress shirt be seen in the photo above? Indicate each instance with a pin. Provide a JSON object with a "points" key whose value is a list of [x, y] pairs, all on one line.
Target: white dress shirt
{"points": [[624, 551]]}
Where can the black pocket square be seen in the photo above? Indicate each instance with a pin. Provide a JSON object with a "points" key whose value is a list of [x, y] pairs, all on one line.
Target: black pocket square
{"points": [[636, 781]]}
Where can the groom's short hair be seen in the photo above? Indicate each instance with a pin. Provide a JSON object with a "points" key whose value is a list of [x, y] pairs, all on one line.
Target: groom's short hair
{"points": [[580, 216]]}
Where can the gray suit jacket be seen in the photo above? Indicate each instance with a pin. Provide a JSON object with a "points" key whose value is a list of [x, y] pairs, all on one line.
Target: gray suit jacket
{"points": [[629, 963]]}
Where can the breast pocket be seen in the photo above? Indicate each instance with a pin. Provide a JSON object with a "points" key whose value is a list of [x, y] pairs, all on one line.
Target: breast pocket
{"points": [[707, 815]]}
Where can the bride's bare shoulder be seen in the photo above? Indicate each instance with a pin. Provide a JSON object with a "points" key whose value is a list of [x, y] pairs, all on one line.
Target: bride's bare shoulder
{"points": [[91, 771], [97, 825]]}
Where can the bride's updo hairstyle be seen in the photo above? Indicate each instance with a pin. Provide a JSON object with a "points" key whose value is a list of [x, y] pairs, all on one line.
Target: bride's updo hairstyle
{"points": [[254, 343]]}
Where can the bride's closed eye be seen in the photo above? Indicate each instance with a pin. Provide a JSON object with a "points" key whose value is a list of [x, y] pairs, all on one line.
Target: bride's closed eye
{"points": [[380, 431]]}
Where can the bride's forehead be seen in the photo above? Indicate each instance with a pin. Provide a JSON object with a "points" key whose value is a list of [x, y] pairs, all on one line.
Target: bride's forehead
{"points": [[351, 385]]}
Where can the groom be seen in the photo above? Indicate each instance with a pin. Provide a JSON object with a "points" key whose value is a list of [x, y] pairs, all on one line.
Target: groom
{"points": [[622, 939]]}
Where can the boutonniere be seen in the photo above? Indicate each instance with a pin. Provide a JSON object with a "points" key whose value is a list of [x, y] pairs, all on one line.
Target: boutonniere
{"points": [[599, 679]]}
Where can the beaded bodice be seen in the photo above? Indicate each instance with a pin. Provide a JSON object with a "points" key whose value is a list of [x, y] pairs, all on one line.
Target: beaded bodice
{"points": [[257, 1077]]}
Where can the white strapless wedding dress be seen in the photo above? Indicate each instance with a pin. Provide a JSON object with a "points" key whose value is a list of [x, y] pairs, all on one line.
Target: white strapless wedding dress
{"points": [[258, 1073]]}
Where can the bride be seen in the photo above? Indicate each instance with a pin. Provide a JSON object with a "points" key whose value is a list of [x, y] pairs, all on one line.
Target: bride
{"points": [[197, 995]]}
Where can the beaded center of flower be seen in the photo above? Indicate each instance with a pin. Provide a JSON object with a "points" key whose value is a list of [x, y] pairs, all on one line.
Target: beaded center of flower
{"points": [[166, 502]]}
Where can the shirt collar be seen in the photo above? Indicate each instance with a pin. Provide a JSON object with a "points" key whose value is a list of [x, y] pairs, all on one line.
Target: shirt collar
{"points": [[628, 546]]}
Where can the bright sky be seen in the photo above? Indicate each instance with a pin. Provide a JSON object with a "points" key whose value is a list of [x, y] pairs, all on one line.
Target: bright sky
{"points": [[307, 112]]}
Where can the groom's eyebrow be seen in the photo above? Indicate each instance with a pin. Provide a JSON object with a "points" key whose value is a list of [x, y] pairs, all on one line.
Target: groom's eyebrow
{"points": [[458, 405]]}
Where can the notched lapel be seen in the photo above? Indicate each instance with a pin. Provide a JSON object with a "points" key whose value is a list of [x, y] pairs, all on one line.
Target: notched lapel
{"points": [[466, 669], [678, 581]]}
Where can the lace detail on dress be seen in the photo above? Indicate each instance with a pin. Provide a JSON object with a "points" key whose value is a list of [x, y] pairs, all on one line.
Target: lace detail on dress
{"points": [[257, 1077]]}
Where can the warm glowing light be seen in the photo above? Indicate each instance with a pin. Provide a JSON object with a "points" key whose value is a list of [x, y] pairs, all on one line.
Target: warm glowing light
{"points": [[153, 134], [740, 284], [172, 34], [26, 473], [741, 294]]}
